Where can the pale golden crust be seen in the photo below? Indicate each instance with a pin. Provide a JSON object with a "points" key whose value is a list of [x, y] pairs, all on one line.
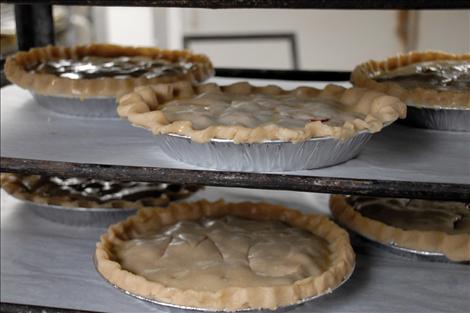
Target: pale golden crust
{"points": [[363, 74], [143, 108], [456, 247], [49, 84], [233, 298], [12, 184]]}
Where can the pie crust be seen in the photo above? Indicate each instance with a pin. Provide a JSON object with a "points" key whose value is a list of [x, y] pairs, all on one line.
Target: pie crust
{"points": [[455, 247], [16, 70], [147, 221], [19, 186], [145, 107], [363, 76]]}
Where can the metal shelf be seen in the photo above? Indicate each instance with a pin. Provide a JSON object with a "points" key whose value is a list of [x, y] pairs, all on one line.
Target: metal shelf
{"points": [[21, 308], [392, 164], [72, 282], [334, 185], [294, 4], [34, 27]]}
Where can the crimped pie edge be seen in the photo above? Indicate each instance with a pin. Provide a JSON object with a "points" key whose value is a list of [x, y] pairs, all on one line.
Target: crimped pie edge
{"points": [[52, 85], [421, 97], [9, 182], [141, 108], [232, 298], [455, 247]]}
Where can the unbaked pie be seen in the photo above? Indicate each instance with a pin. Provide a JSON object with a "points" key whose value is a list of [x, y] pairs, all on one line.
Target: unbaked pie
{"points": [[92, 193], [420, 78], [421, 225], [248, 114], [102, 70], [225, 256]]}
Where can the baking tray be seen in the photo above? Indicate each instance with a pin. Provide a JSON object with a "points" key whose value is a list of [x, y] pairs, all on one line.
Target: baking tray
{"points": [[97, 107], [269, 156], [441, 118], [174, 308]]}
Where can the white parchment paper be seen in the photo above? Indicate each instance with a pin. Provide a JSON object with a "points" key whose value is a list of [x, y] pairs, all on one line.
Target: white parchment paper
{"points": [[397, 153], [45, 263]]}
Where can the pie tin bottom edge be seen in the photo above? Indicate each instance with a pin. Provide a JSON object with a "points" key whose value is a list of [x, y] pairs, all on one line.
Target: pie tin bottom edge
{"points": [[175, 308]]}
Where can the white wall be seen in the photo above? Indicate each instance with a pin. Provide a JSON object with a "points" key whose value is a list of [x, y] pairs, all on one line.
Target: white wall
{"points": [[125, 25], [445, 30], [331, 39], [327, 39]]}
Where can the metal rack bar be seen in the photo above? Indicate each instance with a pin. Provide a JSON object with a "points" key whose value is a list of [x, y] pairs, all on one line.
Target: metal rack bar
{"points": [[21, 308], [293, 4], [298, 75], [370, 187], [34, 25]]}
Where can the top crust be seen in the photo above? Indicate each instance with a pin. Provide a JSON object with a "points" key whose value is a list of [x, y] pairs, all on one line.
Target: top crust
{"points": [[363, 74], [143, 107], [49, 84]]}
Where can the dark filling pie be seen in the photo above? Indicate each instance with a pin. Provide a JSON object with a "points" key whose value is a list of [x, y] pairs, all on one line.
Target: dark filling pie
{"points": [[102, 191], [91, 67], [448, 217], [442, 76]]}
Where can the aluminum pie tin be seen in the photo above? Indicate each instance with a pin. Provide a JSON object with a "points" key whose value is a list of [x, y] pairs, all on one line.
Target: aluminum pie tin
{"points": [[175, 308], [269, 156], [421, 255], [76, 216], [97, 107], [440, 118]]}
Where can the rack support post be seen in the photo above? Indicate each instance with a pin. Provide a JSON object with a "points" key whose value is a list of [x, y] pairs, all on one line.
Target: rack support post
{"points": [[34, 25]]}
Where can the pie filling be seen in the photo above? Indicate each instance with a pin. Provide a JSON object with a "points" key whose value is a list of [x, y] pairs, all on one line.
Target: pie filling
{"points": [[254, 110], [443, 76], [96, 190], [212, 254], [424, 215], [91, 67]]}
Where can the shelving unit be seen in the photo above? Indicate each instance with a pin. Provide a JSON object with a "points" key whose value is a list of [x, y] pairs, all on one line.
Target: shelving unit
{"points": [[380, 170]]}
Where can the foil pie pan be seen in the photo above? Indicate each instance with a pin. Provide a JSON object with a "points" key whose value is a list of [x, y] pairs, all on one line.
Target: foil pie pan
{"points": [[99, 107], [269, 156], [99, 217], [91, 217], [441, 118], [174, 308], [419, 255]]}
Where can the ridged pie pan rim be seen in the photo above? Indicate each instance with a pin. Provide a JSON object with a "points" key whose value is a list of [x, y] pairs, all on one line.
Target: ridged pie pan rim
{"points": [[186, 309]]}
